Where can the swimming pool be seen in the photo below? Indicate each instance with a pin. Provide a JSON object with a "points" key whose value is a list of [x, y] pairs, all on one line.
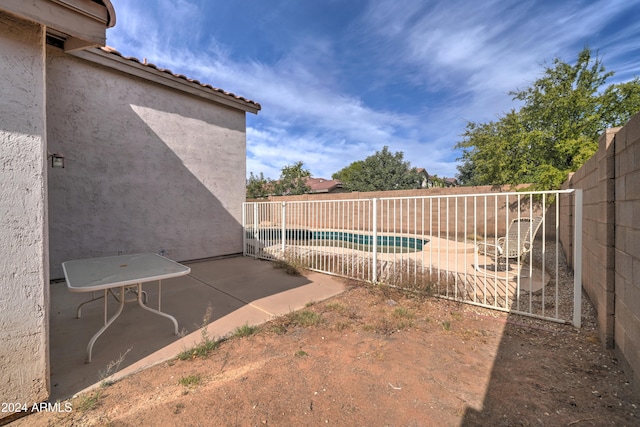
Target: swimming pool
{"points": [[341, 239]]}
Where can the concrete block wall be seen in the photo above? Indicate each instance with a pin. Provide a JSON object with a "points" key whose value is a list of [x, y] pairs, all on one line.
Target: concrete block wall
{"points": [[626, 251], [596, 179], [610, 181], [566, 222], [485, 216]]}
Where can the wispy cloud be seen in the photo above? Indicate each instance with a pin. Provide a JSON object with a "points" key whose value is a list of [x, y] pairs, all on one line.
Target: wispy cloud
{"points": [[309, 117], [408, 77]]}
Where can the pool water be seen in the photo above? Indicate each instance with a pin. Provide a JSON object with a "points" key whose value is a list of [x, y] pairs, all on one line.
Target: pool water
{"points": [[342, 239], [340, 244]]}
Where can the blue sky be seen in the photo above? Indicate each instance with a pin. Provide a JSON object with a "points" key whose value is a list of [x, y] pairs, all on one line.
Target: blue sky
{"points": [[340, 79]]}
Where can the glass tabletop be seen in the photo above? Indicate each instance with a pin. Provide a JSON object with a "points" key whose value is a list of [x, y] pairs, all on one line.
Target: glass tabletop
{"points": [[94, 274]]}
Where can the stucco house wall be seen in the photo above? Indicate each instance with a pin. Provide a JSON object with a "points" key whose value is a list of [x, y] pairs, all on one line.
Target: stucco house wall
{"points": [[154, 161], [148, 168], [24, 299]]}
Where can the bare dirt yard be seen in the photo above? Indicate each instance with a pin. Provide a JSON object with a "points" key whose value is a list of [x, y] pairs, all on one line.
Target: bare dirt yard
{"points": [[375, 356]]}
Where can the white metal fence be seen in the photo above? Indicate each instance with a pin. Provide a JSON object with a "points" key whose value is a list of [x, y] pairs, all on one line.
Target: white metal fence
{"points": [[496, 250]]}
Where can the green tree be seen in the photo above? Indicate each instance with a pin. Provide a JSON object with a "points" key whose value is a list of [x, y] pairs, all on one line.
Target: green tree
{"points": [[293, 180], [554, 132], [620, 102], [467, 174], [437, 181], [348, 173], [257, 186], [381, 171], [492, 150]]}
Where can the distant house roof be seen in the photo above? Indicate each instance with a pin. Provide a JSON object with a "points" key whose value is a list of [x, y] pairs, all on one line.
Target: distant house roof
{"points": [[134, 66], [431, 179], [321, 185]]}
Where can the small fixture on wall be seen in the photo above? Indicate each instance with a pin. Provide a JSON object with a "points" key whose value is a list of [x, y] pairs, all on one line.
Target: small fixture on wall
{"points": [[57, 160]]}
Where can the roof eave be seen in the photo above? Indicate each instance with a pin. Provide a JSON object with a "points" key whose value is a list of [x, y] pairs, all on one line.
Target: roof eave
{"points": [[85, 21], [112, 13], [134, 67]]}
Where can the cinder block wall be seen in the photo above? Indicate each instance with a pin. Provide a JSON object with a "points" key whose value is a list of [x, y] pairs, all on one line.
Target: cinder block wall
{"points": [[487, 214], [596, 179], [611, 239], [626, 250]]}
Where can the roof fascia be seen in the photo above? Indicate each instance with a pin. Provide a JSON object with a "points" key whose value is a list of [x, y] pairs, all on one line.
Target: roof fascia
{"points": [[83, 20], [112, 13]]}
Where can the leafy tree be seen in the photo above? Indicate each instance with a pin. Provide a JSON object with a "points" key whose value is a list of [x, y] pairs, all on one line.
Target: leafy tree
{"points": [[554, 132], [437, 181], [348, 173], [378, 172], [620, 102], [257, 186], [292, 180], [467, 173], [494, 148]]}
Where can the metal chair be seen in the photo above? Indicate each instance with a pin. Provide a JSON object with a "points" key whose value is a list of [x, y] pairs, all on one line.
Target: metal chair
{"points": [[514, 246]]}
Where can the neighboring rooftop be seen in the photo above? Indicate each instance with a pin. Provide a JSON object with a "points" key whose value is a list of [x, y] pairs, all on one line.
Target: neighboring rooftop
{"points": [[321, 185]]}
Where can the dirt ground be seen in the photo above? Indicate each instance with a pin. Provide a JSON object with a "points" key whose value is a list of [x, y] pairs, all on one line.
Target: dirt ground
{"points": [[375, 356]]}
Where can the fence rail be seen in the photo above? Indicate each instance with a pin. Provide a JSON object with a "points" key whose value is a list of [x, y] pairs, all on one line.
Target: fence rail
{"points": [[496, 250]]}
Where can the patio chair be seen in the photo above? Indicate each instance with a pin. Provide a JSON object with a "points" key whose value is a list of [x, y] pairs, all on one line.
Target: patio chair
{"points": [[514, 246]]}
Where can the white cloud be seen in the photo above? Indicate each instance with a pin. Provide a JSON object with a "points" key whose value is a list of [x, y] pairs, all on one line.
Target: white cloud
{"points": [[455, 60], [293, 97]]}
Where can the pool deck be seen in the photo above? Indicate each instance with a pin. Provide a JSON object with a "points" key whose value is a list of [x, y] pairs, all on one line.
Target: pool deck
{"points": [[457, 259]]}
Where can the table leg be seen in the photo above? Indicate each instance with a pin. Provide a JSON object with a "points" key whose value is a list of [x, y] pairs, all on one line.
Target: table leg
{"points": [[158, 312], [107, 323], [93, 298]]}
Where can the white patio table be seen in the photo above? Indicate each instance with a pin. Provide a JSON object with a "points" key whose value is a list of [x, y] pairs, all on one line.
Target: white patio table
{"points": [[124, 272]]}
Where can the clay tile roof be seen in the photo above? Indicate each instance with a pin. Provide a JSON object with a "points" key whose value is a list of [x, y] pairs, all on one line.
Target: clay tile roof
{"points": [[144, 63]]}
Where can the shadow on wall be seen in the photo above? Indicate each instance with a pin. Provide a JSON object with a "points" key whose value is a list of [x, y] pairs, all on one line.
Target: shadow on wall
{"points": [[147, 169]]}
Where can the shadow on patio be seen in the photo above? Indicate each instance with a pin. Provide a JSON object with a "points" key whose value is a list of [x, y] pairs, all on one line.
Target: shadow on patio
{"points": [[239, 291]]}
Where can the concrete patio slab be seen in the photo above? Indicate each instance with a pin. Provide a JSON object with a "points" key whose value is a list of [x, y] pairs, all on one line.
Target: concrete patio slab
{"points": [[238, 290]]}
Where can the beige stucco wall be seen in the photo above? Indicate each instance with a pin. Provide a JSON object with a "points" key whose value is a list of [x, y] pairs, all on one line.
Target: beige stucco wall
{"points": [[147, 168], [610, 181], [24, 297]]}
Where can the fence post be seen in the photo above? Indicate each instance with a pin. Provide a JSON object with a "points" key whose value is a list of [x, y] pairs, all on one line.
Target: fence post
{"points": [[244, 229], [256, 232], [375, 240], [577, 260], [284, 227]]}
